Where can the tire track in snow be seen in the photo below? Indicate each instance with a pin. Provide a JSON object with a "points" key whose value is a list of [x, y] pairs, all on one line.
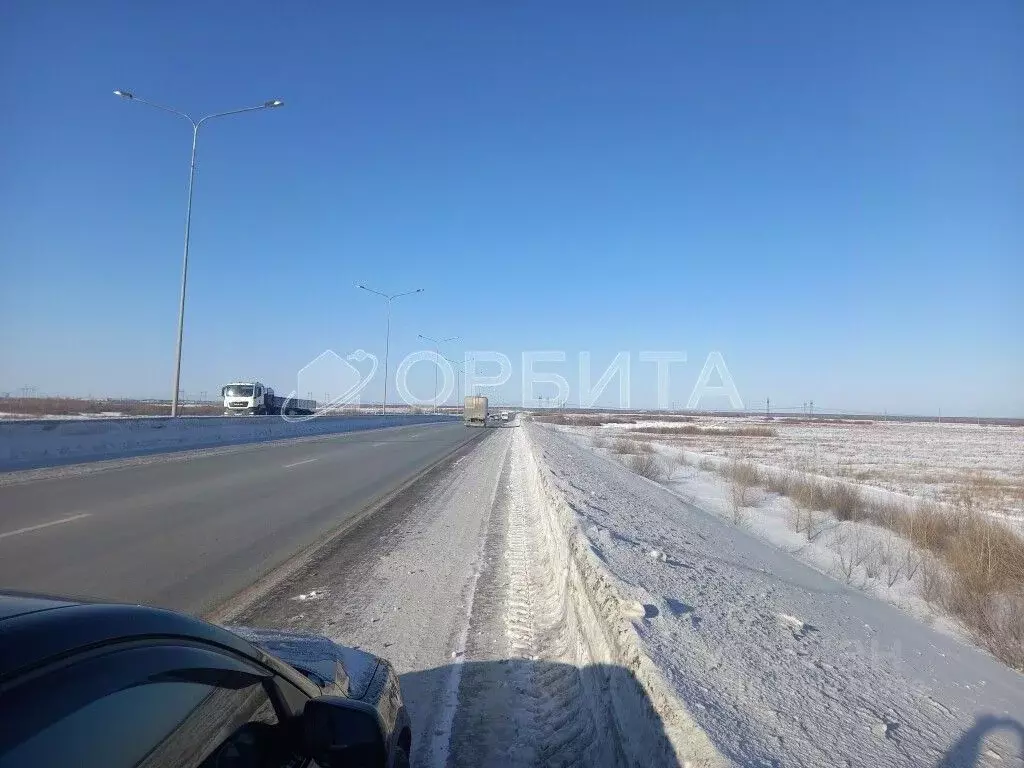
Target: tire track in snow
{"points": [[574, 698], [635, 720], [563, 731], [523, 700]]}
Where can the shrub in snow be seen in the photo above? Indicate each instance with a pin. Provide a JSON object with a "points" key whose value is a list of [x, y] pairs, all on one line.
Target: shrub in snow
{"points": [[646, 465]]}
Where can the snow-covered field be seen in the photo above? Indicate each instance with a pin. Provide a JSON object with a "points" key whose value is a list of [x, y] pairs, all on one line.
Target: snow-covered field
{"points": [[936, 461], [776, 661]]}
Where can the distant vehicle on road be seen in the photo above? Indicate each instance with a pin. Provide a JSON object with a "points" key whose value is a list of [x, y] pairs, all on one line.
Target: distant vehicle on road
{"points": [[474, 411], [504, 415], [96, 684], [255, 398]]}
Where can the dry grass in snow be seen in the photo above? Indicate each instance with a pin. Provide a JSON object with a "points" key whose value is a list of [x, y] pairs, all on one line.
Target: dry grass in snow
{"points": [[647, 465], [923, 459], [955, 556]]}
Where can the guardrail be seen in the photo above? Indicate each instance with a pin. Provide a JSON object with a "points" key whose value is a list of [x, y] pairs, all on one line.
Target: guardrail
{"points": [[44, 443]]}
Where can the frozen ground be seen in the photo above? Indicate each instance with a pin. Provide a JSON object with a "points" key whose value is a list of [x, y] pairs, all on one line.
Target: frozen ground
{"points": [[778, 663], [930, 460]]}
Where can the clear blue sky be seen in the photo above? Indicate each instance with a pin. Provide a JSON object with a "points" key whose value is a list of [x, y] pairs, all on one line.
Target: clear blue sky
{"points": [[829, 193]]}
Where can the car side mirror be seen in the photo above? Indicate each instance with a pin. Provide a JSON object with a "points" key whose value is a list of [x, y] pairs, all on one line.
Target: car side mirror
{"points": [[343, 732]]}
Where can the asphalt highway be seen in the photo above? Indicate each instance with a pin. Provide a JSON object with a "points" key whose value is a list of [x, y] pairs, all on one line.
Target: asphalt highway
{"points": [[189, 533]]}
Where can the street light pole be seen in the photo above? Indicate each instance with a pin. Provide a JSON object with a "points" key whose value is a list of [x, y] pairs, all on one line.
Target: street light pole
{"points": [[184, 272], [458, 381], [129, 96], [387, 337], [437, 353]]}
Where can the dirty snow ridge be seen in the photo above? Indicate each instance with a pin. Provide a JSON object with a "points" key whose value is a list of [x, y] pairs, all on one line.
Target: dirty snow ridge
{"points": [[595, 706], [556, 714]]}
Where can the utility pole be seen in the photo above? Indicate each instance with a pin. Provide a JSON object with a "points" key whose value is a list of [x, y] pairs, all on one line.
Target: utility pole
{"points": [[768, 408], [812, 408]]}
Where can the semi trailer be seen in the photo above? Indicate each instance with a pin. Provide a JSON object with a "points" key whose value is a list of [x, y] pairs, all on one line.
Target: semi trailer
{"points": [[254, 398]]}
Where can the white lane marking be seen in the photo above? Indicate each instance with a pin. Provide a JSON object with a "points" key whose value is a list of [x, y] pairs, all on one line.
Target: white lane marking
{"points": [[44, 525], [297, 463], [440, 742]]}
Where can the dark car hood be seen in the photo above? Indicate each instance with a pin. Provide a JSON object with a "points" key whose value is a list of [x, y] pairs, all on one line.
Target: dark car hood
{"points": [[337, 669]]}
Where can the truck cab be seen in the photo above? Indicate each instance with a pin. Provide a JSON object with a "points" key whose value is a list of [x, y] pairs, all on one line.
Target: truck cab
{"points": [[247, 397]]}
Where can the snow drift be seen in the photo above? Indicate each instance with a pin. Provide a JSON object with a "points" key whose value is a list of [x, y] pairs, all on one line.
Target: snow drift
{"points": [[574, 606]]}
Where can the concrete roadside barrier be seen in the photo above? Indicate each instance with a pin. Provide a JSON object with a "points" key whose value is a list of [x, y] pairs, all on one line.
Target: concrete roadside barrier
{"points": [[32, 444]]}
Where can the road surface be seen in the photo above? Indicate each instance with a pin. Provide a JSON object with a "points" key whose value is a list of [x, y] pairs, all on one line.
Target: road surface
{"points": [[189, 532], [450, 580], [422, 578]]}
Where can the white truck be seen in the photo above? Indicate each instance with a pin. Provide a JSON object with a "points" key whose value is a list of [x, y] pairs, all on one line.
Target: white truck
{"points": [[504, 415], [474, 411], [254, 398]]}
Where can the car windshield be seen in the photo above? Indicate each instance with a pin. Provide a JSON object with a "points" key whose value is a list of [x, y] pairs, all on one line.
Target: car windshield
{"points": [[743, 283]]}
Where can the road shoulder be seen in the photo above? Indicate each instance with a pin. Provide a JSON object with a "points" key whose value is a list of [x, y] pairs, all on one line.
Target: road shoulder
{"points": [[401, 584]]}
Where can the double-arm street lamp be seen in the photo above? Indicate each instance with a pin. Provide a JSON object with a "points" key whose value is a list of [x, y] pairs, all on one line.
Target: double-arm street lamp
{"points": [[129, 96], [387, 338], [458, 380], [437, 351]]}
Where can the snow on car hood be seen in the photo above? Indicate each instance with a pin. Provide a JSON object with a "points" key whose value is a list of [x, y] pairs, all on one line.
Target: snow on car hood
{"points": [[345, 670]]}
